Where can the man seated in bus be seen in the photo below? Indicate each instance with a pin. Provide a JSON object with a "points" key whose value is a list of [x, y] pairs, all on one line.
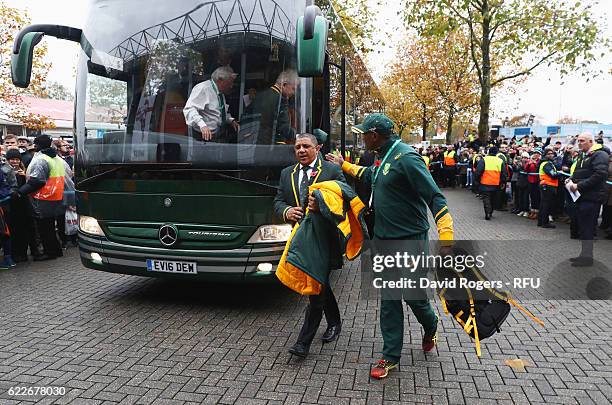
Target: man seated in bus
{"points": [[206, 110], [272, 105]]}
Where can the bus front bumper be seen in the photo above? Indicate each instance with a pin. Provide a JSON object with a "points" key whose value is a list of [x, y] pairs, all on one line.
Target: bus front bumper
{"points": [[249, 263]]}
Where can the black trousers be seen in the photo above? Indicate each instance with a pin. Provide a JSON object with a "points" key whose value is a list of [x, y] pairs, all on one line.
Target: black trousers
{"points": [[548, 194], [450, 173], [559, 207], [501, 198], [319, 304], [587, 213], [488, 197], [23, 234], [48, 236]]}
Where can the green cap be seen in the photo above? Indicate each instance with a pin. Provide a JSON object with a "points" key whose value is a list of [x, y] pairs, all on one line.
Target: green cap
{"points": [[320, 135], [375, 122]]}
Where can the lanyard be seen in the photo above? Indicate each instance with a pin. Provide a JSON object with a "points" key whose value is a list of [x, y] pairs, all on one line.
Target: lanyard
{"points": [[221, 100], [391, 149]]}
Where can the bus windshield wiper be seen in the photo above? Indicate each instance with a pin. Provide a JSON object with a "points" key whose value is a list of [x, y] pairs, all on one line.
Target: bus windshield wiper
{"points": [[221, 173], [119, 166]]}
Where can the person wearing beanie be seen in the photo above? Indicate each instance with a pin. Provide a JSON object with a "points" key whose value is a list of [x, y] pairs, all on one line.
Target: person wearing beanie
{"points": [[491, 172], [7, 186], [522, 185], [534, 182], [21, 223], [45, 186], [549, 181]]}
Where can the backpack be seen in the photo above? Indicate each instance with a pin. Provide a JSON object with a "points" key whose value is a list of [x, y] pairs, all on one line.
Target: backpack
{"points": [[480, 313]]}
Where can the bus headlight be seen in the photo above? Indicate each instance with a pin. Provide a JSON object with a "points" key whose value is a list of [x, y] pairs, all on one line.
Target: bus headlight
{"points": [[271, 233], [90, 225]]}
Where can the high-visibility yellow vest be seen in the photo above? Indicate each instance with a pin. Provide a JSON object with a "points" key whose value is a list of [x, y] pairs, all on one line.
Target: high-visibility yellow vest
{"points": [[492, 171], [449, 158], [573, 167], [53, 190], [426, 159], [545, 179]]}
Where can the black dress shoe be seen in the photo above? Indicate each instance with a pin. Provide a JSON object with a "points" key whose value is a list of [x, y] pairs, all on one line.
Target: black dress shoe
{"points": [[548, 226], [583, 262], [300, 350], [331, 333]]}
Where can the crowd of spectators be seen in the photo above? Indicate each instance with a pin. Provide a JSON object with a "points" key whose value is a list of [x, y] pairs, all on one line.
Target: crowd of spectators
{"points": [[520, 192], [20, 234]]}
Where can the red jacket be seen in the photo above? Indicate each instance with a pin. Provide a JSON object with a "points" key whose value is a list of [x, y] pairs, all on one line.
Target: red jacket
{"points": [[532, 167]]}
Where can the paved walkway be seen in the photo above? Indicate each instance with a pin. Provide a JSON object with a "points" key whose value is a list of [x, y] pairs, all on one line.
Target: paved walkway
{"points": [[116, 339]]}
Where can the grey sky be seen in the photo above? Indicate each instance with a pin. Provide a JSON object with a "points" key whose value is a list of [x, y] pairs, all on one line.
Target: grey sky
{"points": [[542, 94]]}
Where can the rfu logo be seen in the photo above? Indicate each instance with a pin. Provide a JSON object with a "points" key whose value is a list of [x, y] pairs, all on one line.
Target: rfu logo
{"points": [[168, 235]]}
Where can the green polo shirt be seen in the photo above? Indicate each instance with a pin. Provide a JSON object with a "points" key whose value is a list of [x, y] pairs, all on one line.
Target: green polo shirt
{"points": [[403, 192]]}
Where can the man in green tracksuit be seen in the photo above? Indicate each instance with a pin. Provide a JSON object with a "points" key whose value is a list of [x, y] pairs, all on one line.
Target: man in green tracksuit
{"points": [[402, 192]]}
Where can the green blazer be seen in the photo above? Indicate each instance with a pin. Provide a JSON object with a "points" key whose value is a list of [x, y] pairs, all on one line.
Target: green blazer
{"points": [[289, 186]]}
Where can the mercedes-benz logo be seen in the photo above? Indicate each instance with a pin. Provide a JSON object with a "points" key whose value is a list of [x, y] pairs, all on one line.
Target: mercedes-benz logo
{"points": [[167, 202], [168, 235]]}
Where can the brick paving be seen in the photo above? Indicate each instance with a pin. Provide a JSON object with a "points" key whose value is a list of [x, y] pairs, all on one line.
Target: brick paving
{"points": [[113, 339]]}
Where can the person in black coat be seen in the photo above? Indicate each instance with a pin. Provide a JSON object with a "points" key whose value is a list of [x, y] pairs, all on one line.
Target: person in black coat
{"points": [[21, 222], [290, 205], [589, 179]]}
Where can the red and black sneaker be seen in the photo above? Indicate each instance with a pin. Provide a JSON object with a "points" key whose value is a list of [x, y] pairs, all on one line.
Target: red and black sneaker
{"points": [[382, 368], [430, 339]]}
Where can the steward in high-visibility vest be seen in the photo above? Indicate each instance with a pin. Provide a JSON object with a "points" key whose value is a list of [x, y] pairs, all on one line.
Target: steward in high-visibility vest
{"points": [[450, 158], [450, 167], [45, 186], [426, 159], [548, 173], [491, 173], [549, 181]]}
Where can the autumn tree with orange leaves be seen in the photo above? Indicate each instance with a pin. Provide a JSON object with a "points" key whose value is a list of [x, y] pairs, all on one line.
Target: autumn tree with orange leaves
{"points": [[11, 101], [432, 82]]}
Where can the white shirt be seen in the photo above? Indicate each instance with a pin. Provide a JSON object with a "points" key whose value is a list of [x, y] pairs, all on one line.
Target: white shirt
{"points": [[203, 109], [311, 167]]}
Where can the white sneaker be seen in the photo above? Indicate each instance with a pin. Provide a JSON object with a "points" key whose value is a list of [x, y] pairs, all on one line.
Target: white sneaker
{"points": [[520, 214], [525, 214], [550, 218]]}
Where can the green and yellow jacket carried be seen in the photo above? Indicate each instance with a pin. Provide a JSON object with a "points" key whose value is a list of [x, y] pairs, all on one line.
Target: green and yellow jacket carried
{"points": [[317, 244], [403, 192]]}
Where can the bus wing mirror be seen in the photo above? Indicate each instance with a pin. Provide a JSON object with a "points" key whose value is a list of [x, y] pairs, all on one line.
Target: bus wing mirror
{"points": [[312, 31], [26, 41], [21, 63]]}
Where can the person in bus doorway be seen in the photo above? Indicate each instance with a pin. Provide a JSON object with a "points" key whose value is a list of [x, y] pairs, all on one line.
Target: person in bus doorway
{"points": [[402, 193], [272, 106], [45, 185], [206, 110], [290, 205]]}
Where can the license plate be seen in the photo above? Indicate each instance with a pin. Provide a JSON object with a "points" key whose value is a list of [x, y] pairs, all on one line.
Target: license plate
{"points": [[165, 266]]}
